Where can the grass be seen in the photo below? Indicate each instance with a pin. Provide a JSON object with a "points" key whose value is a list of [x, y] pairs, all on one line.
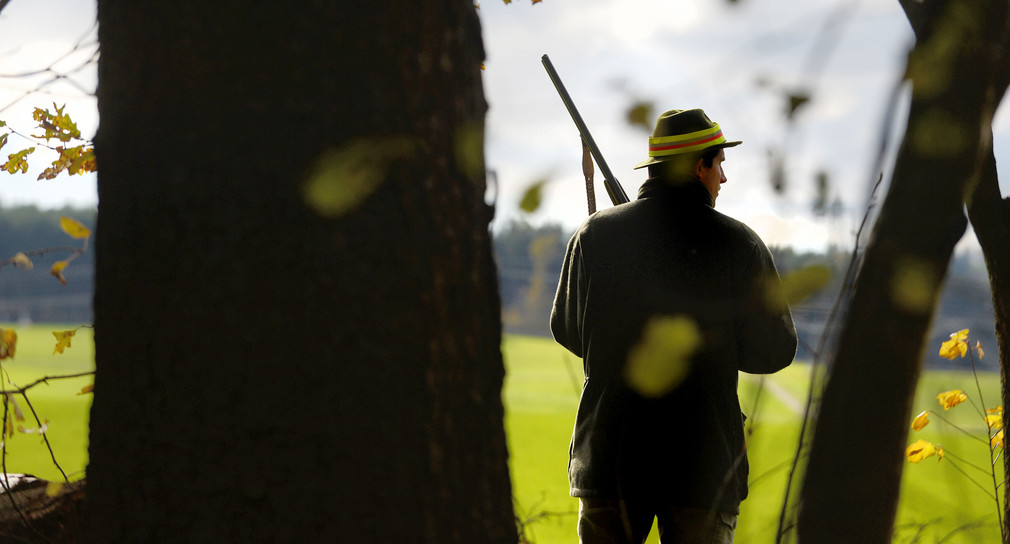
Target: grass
{"points": [[938, 503], [541, 396], [56, 401]]}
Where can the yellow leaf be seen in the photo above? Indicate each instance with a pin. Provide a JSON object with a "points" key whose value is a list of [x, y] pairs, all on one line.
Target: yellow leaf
{"points": [[22, 261], [74, 228], [978, 349], [8, 343], [994, 421], [57, 270], [54, 488], [950, 399], [662, 358], [919, 450], [939, 453], [18, 161], [956, 347], [62, 340], [56, 125], [997, 440], [90, 388], [920, 421]]}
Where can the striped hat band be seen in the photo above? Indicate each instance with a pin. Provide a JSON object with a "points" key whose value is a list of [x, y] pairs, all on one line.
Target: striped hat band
{"points": [[663, 146]]}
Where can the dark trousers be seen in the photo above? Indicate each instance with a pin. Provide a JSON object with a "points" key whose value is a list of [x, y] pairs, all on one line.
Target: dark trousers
{"points": [[612, 521]]}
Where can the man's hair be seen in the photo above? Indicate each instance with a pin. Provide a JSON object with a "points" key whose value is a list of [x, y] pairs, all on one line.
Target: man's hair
{"points": [[681, 167]]}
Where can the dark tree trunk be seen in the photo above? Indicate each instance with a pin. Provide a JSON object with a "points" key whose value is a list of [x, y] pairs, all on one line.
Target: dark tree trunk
{"points": [[990, 216], [296, 315], [850, 491]]}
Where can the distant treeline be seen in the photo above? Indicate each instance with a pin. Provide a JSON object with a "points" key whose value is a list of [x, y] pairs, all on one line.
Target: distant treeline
{"points": [[530, 257], [35, 295], [529, 262]]}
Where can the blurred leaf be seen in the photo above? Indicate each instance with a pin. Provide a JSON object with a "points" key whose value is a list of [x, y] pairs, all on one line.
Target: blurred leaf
{"points": [[796, 101], [800, 284], [18, 414], [39, 430], [661, 359], [3, 138], [57, 271], [90, 388], [8, 343], [469, 149], [532, 196], [343, 178], [22, 261], [821, 186], [778, 171], [640, 114], [913, 285], [74, 228]]}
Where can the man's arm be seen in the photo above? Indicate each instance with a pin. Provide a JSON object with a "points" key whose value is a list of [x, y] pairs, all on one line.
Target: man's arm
{"points": [[568, 311], [766, 334]]}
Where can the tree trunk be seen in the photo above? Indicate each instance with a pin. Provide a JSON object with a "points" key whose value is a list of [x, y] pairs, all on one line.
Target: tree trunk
{"points": [[297, 324], [850, 491], [990, 216]]}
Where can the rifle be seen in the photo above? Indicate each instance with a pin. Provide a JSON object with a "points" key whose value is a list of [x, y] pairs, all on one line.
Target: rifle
{"points": [[614, 189]]}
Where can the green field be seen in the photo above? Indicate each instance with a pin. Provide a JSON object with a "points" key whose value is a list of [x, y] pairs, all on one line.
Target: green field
{"points": [[57, 401], [541, 394], [938, 501]]}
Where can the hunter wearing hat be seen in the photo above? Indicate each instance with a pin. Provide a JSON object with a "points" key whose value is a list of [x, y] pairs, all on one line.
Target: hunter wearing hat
{"points": [[666, 299]]}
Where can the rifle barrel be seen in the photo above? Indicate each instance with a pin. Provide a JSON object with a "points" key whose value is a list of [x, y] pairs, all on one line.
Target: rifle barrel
{"points": [[614, 189]]}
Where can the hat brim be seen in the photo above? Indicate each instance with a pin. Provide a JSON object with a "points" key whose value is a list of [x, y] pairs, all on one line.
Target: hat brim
{"points": [[656, 160]]}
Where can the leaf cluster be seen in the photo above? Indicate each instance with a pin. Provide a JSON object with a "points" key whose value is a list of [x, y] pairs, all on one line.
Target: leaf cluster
{"points": [[56, 125]]}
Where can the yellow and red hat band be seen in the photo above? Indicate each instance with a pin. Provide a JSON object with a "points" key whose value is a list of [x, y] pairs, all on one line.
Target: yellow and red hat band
{"points": [[685, 143]]}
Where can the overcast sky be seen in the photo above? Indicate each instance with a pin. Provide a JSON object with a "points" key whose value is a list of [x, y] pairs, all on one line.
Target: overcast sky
{"points": [[735, 60]]}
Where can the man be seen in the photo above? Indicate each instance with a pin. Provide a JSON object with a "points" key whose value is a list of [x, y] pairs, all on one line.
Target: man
{"points": [[666, 299]]}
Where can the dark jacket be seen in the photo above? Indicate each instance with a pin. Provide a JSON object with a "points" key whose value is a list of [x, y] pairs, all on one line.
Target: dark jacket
{"points": [[668, 253]]}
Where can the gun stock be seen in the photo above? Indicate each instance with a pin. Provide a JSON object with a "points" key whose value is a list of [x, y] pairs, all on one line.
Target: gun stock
{"points": [[614, 189]]}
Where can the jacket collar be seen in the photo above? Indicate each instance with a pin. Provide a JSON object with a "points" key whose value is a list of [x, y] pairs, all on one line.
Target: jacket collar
{"points": [[689, 193]]}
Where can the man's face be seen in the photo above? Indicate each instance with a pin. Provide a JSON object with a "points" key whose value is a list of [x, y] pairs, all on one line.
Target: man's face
{"points": [[712, 178]]}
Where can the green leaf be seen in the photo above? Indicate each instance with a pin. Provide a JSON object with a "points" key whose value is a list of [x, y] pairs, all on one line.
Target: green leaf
{"points": [[532, 196], [18, 161]]}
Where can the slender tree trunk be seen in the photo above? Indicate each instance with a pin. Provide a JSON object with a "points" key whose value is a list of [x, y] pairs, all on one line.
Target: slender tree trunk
{"points": [[990, 216], [297, 321], [851, 486]]}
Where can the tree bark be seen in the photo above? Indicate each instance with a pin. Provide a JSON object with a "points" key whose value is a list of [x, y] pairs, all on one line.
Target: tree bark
{"points": [[851, 486], [297, 324], [990, 217]]}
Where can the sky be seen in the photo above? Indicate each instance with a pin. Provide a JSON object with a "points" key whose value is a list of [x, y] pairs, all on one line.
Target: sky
{"points": [[736, 60], [35, 35]]}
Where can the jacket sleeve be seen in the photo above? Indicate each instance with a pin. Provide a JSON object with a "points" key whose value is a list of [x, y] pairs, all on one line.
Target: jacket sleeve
{"points": [[765, 332], [568, 311]]}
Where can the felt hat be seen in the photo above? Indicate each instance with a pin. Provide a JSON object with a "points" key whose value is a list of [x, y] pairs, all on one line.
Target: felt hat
{"points": [[679, 132]]}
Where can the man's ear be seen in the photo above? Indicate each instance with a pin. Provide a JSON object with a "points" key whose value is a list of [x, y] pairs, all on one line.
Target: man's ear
{"points": [[698, 172]]}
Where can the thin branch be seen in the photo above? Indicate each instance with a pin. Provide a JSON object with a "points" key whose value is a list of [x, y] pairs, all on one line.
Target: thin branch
{"points": [[45, 438], [45, 380]]}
